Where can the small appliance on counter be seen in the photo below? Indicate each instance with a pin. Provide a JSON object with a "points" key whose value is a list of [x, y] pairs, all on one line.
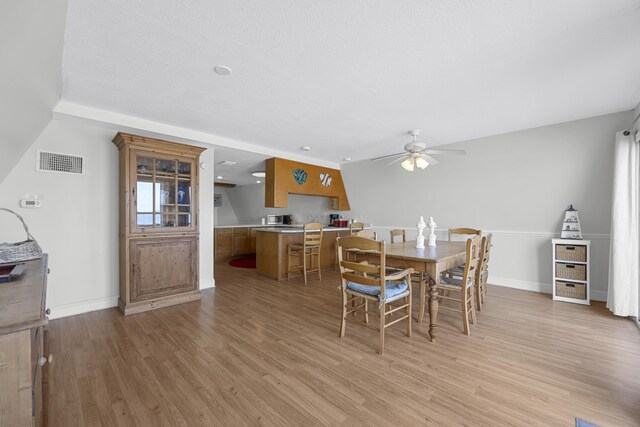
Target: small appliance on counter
{"points": [[336, 221], [274, 219], [287, 219]]}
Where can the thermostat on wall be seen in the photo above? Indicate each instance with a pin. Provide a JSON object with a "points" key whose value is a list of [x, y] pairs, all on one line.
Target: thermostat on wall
{"points": [[30, 203]]}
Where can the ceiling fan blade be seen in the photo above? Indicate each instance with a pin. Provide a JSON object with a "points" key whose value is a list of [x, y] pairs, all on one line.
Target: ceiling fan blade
{"points": [[458, 152], [389, 156], [395, 161], [429, 159]]}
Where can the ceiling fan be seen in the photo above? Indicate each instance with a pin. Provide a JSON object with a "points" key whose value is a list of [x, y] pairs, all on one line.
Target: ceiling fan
{"points": [[417, 154]]}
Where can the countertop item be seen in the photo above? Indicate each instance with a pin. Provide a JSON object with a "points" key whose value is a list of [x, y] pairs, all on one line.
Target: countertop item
{"points": [[300, 230], [258, 226]]}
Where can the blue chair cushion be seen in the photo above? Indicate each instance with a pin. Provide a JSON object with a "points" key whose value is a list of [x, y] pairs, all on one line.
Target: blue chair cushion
{"points": [[392, 289]]}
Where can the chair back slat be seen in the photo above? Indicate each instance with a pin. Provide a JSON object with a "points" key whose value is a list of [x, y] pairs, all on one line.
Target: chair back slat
{"points": [[362, 280], [355, 227], [367, 234], [361, 267], [464, 232], [398, 232], [312, 234]]}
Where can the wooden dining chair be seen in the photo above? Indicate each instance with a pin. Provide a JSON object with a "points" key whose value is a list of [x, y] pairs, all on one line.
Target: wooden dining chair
{"points": [[482, 272], [365, 282], [463, 232], [311, 241], [397, 232], [355, 226], [463, 286]]}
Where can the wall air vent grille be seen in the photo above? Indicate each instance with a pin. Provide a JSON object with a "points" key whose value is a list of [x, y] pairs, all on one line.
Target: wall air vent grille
{"points": [[47, 161]]}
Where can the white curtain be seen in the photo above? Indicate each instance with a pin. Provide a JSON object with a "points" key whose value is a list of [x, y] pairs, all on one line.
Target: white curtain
{"points": [[624, 256]]}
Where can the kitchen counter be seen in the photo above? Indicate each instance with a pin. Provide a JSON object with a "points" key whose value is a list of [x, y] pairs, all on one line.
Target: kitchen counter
{"points": [[272, 244], [300, 229], [255, 225]]}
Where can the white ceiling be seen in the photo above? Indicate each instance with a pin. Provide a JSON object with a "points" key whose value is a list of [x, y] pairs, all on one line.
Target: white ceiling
{"points": [[350, 78], [239, 174]]}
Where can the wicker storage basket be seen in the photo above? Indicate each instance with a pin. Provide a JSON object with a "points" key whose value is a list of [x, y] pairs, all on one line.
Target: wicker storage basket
{"points": [[21, 251], [571, 271], [571, 290], [571, 253]]}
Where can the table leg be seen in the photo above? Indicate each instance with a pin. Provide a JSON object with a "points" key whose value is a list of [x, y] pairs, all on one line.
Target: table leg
{"points": [[433, 308], [423, 295]]}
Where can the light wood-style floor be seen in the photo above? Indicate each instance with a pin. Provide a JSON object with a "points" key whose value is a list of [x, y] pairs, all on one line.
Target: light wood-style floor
{"points": [[258, 352]]}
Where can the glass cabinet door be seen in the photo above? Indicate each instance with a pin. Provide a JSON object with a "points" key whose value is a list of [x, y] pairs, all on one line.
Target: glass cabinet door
{"points": [[163, 193]]}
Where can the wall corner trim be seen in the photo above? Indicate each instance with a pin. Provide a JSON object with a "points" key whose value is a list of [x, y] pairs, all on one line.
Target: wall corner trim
{"points": [[208, 284]]}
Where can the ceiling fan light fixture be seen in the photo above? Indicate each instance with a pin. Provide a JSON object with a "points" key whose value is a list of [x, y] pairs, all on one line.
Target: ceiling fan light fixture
{"points": [[408, 164], [421, 163]]}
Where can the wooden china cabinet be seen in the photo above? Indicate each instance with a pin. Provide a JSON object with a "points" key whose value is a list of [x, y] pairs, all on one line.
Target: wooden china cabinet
{"points": [[158, 223]]}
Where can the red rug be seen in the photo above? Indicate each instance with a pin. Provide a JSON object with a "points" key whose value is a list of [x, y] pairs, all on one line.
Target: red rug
{"points": [[248, 262]]}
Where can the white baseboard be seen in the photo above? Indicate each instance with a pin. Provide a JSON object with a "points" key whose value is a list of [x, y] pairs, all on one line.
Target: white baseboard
{"points": [[546, 288], [208, 284], [521, 284], [72, 309], [66, 310]]}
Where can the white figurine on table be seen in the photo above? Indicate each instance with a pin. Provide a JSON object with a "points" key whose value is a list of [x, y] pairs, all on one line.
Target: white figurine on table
{"points": [[432, 228], [420, 239]]}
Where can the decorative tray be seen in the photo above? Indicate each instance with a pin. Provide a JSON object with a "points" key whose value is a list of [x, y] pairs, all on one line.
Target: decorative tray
{"points": [[11, 271]]}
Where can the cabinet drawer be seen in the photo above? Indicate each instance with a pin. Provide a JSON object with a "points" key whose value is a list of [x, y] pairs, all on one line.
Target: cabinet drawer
{"points": [[242, 231], [571, 271], [224, 231], [571, 253], [571, 290]]}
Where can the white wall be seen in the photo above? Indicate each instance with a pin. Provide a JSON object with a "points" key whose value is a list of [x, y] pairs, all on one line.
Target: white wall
{"points": [[516, 185], [248, 203], [31, 40], [78, 223], [225, 214]]}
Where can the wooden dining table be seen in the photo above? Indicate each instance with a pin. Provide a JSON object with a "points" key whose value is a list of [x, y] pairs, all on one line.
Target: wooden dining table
{"points": [[432, 260]]}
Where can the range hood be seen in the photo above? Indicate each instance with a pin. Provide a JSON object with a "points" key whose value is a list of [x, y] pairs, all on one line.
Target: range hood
{"points": [[284, 177]]}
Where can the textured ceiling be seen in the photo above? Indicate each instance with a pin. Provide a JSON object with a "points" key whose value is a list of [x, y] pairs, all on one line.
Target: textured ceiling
{"points": [[349, 78]]}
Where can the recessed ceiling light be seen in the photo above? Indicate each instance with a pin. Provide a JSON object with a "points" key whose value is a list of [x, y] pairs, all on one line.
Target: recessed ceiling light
{"points": [[305, 148], [347, 159], [222, 70], [258, 182], [259, 174], [219, 177]]}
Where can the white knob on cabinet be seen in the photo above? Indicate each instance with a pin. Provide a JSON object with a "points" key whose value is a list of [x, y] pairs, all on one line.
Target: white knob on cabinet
{"points": [[44, 360]]}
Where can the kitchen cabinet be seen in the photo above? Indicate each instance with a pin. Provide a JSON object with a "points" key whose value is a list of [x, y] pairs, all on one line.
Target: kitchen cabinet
{"points": [[234, 241], [223, 245], [158, 223], [241, 241]]}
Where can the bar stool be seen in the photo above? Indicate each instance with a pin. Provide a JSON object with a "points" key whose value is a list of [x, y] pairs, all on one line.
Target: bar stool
{"points": [[310, 247]]}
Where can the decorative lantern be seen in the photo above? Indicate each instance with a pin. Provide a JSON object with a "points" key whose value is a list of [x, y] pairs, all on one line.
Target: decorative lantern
{"points": [[571, 224]]}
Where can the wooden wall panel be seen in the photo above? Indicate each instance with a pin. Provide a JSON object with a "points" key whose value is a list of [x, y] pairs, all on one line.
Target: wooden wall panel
{"points": [[280, 182]]}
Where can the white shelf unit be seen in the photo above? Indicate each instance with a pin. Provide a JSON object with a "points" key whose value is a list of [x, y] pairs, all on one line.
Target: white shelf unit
{"points": [[571, 270]]}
